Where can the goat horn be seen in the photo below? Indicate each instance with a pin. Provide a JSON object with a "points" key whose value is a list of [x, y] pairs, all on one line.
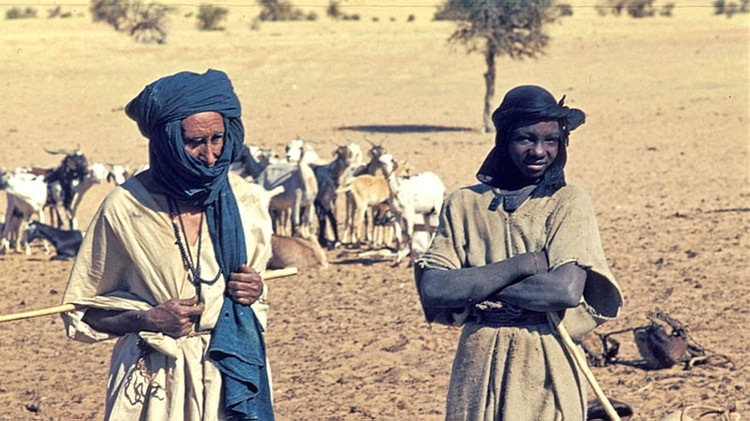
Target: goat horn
{"points": [[59, 151]]}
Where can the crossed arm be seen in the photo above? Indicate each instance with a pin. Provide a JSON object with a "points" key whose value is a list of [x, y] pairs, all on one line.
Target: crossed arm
{"points": [[523, 280]]}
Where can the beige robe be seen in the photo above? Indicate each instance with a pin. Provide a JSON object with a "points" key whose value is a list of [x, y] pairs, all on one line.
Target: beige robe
{"points": [[520, 373], [129, 261]]}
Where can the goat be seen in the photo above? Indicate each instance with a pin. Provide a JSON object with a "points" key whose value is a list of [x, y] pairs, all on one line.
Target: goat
{"points": [[62, 182], [298, 147], [26, 195], [66, 242], [328, 177], [420, 194], [117, 174], [96, 174], [300, 191], [298, 252], [251, 161], [362, 192]]}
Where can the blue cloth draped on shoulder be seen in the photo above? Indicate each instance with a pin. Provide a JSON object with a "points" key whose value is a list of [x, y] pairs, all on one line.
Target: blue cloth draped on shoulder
{"points": [[237, 347]]}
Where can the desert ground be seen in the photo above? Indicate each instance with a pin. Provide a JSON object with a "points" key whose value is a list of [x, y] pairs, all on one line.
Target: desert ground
{"points": [[664, 155]]}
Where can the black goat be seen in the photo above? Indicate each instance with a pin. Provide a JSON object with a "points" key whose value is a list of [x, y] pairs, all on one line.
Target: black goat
{"points": [[66, 242], [62, 182], [328, 176]]}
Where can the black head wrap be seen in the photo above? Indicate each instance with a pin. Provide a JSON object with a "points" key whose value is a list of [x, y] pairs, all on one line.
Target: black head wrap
{"points": [[526, 105]]}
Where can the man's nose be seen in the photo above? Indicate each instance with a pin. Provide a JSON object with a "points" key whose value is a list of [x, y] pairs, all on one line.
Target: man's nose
{"points": [[207, 155], [537, 149]]}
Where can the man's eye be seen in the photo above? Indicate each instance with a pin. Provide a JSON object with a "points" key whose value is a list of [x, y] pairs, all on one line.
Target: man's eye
{"points": [[523, 140], [552, 140], [216, 139]]}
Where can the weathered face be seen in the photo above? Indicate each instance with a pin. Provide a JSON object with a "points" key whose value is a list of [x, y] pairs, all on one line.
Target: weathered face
{"points": [[534, 148], [204, 136]]}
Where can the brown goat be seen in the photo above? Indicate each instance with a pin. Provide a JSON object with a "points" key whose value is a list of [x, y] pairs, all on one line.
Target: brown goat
{"points": [[299, 252]]}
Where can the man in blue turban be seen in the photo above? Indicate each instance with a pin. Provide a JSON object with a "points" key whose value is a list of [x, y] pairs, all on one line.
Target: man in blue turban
{"points": [[170, 265], [521, 244]]}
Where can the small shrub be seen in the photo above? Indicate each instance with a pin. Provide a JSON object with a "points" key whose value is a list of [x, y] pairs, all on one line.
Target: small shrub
{"points": [[333, 10], [565, 9], [279, 10], [112, 12], [54, 12], [145, 23], [719, 6], [210, 17], [731, 9], [640, 8], [666, 10], [411, 18], [15, 12]]}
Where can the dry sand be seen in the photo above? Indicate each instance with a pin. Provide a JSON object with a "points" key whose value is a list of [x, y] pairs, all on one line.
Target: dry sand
{"points": [[664, 155]]}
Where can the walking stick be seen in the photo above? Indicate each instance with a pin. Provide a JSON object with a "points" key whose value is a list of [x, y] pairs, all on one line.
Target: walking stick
{"points": [[268, 274], [570, 346]]}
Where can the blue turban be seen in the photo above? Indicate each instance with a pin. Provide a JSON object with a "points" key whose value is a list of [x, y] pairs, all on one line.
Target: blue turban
{"points": [[237, 346]]}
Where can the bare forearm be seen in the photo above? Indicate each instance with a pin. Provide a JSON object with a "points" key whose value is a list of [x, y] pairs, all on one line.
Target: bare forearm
{"points": [[175, 318], [552, 291], [117, 322], [468, 286]]}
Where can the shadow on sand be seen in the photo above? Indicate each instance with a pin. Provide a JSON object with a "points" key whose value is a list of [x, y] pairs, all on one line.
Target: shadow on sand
{"points": [[404, 128]]}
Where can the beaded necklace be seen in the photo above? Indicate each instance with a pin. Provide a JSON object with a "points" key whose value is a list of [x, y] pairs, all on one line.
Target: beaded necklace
{"points": [[194, 270]]}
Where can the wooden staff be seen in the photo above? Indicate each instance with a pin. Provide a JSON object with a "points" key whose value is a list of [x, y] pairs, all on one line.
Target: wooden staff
{"points": [[570, 346], [268, 274]]}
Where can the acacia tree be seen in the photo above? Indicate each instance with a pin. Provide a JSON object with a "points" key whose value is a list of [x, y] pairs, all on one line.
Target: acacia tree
{"points": [[513, 28]]}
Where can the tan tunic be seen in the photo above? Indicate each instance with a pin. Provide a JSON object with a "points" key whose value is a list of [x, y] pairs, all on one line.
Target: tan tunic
{"points": [[129, 261], [520, 372]]}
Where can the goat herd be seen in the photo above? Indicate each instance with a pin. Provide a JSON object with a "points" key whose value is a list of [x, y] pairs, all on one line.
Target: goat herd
{"points": [[387, 208]]}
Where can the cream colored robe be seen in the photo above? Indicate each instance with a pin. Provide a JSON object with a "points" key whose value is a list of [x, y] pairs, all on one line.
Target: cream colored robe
{"points": [[520, 373], [129, 261]]}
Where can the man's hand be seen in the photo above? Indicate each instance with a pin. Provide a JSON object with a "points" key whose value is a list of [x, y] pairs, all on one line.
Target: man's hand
{"points": [[245, 286], [175, 317]]}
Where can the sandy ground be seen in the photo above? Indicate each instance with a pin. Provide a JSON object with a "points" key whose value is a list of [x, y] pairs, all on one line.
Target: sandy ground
{"points": [[664, 155]]}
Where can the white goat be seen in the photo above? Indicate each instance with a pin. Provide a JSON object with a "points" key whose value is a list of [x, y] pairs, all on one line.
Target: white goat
{"points": [[410, 197], [298, 147], [26, 196]]}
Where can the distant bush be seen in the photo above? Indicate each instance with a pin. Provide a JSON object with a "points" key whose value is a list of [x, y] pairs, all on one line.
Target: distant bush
{"points": [[210, 17], [15, 12], [565, 9], [634, 8], [731, 8], [333, 10], [640, 8], [145, 23], [279, 10], [112, 12], [411, 18], [666, 10]]}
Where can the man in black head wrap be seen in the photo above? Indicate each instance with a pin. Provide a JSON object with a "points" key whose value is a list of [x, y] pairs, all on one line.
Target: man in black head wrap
{"points": [[170, 265], [508, 251]]}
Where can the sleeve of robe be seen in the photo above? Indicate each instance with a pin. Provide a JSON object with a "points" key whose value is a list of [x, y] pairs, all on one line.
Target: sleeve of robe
{"points": [[563, 225]]}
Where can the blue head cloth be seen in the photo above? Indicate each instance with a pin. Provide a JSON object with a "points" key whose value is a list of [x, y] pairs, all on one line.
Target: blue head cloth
{"points": [[237, 346]]}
